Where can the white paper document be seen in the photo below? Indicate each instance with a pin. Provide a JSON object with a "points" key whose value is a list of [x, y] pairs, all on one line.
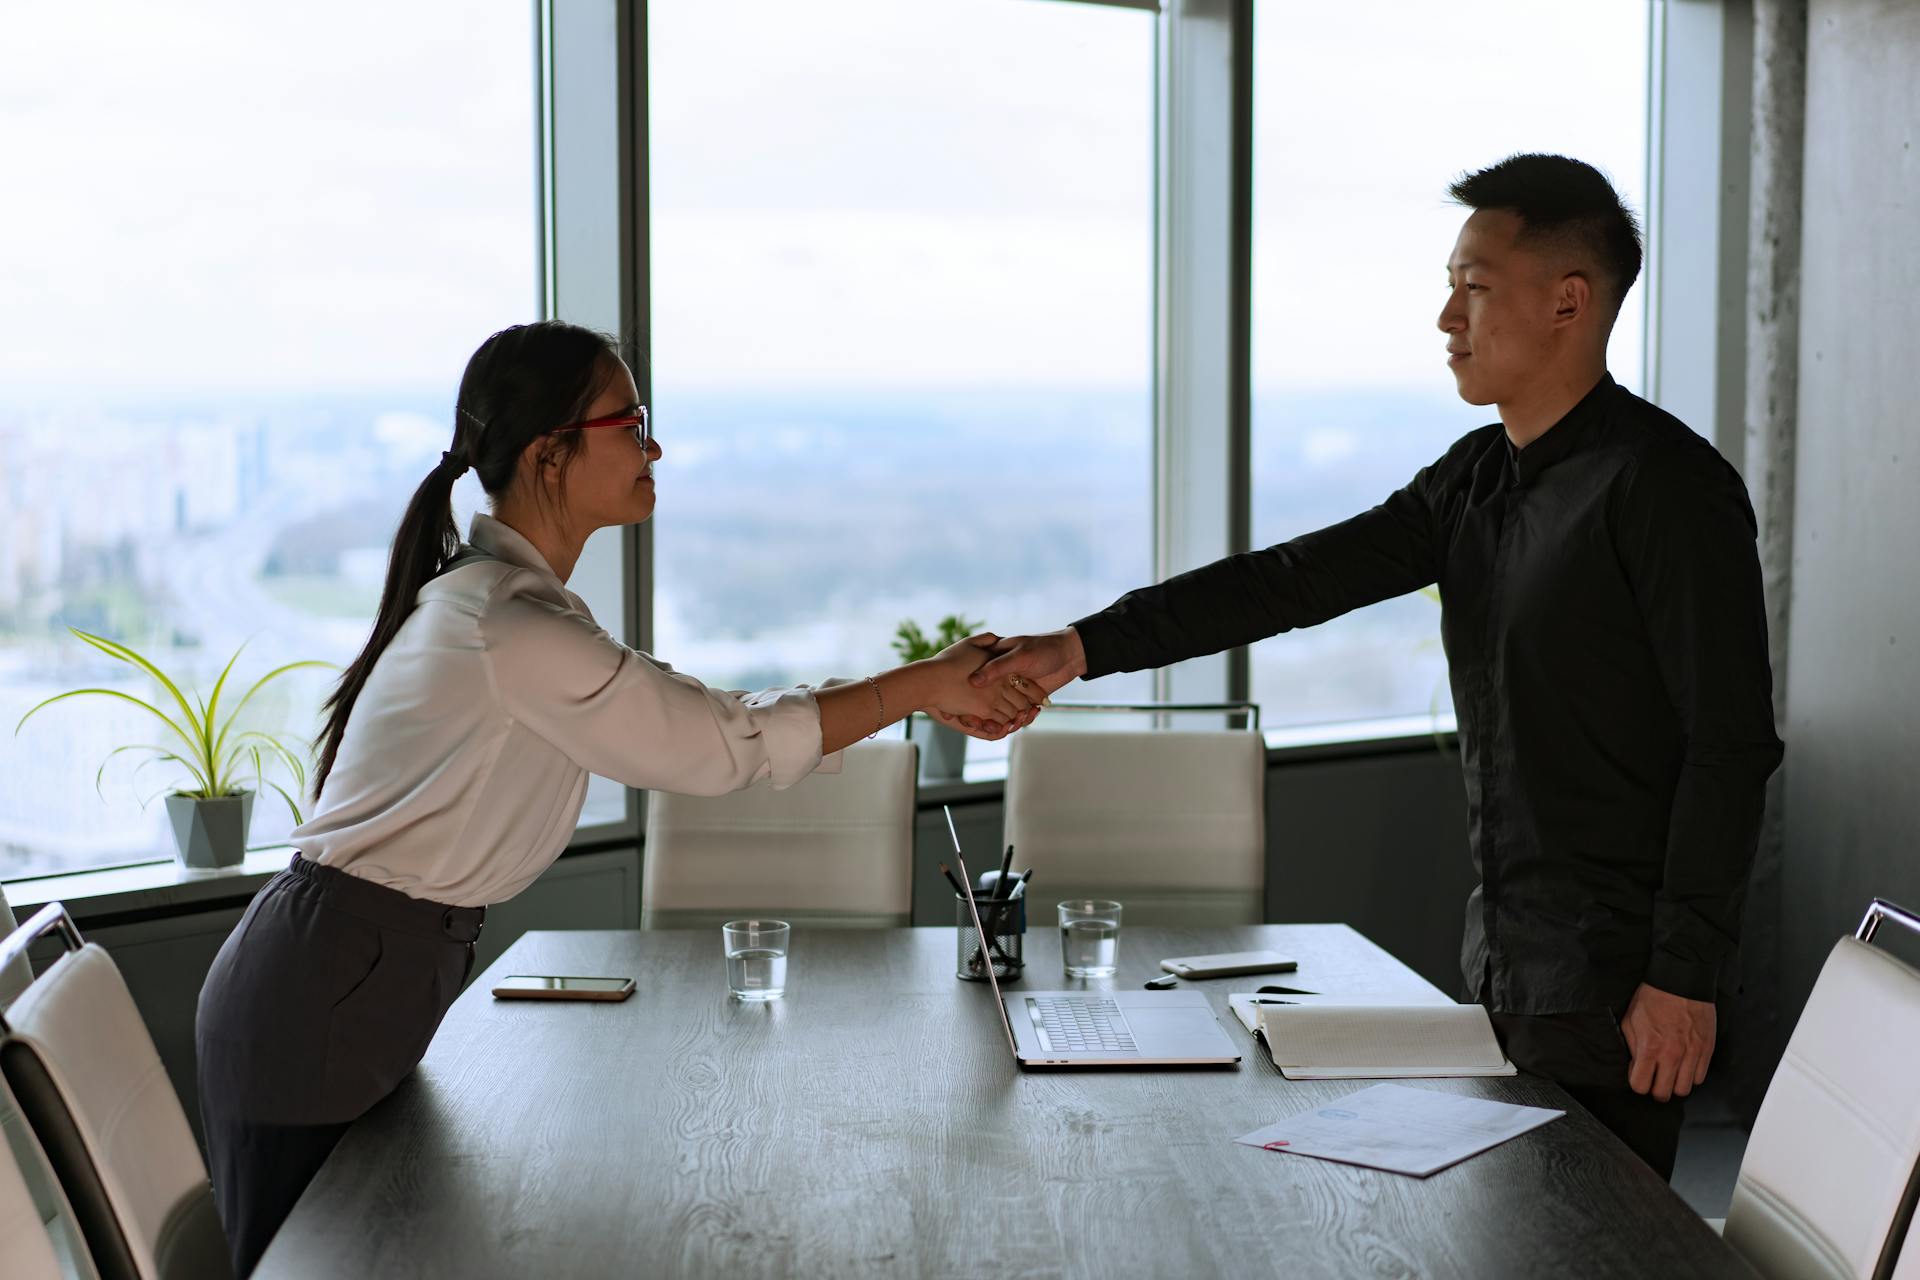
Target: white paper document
{"points": [[1400, 1129]]}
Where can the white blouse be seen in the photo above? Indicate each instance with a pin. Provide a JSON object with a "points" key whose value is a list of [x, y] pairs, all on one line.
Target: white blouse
{"points": [[464, 764]]}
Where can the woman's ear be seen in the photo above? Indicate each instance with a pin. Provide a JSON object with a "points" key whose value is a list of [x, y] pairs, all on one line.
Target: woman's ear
{"points": [[537, 460]]}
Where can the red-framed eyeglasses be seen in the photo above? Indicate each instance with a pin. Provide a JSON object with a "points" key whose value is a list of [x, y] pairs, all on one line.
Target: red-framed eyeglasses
{"points": [[637, 420]]}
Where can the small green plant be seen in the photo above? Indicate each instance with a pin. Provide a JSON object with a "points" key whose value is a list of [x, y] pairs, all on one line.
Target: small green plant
{"points": [[912, 644], [214, 753]]}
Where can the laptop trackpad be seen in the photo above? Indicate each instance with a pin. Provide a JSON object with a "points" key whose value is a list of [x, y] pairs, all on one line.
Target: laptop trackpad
{"points": [[1176, 1030]]}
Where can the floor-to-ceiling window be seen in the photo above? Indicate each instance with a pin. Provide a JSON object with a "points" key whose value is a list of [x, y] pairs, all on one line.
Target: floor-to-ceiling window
{"points": [[1364, 112], [901, 265], [245, 251]]}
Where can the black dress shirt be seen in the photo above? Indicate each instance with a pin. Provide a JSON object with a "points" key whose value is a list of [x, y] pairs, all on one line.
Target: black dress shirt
{"points": [[1602, 615]]}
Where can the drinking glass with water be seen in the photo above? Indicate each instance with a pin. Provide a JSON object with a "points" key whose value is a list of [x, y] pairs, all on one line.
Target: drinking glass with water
{"points": [[756, 958], [1090, 937]]}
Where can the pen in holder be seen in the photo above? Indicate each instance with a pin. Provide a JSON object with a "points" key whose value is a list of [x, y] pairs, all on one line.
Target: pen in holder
{"points": [[1004, 921]]}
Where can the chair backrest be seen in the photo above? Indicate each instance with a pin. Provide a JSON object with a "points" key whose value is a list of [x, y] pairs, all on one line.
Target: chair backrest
{"points": [[86, 1076], [1828, 1181], [1172, 823], [50, 1205], [26, 1250], [14, 974], [833, 849], [1908, 1266]]}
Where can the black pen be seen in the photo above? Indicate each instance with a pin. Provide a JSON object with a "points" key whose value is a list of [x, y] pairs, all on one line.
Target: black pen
{"points": [[958, 892], [1000, 889]]}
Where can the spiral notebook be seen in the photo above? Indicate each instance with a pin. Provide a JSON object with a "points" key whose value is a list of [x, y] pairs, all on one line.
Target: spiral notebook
{"points": [[1361, 1038]]}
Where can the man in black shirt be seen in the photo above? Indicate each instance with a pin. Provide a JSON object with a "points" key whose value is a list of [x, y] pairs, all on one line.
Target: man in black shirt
{"points": [[1606, 646]]}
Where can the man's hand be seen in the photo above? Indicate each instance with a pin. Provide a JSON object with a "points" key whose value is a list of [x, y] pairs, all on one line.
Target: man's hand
{"points": [[1671, 1040], [1030, 664], [954, 694], [1049, 660]]}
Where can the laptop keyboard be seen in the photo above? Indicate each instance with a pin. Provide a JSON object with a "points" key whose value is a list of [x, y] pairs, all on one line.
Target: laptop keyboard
{"points": [[1082, 1023]]}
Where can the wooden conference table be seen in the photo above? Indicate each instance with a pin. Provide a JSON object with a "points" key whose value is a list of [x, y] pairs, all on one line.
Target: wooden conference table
{"points": [[873, 1123]]}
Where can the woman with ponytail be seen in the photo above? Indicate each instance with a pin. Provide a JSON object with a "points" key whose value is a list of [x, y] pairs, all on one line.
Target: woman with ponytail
{"points": [[455, 757]]}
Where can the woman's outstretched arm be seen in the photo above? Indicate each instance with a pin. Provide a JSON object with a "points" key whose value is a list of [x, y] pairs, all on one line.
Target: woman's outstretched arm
{"points": [[850, 712]]}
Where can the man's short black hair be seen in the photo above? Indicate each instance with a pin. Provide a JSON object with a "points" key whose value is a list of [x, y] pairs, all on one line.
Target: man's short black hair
{"points": [[1564, 203]]}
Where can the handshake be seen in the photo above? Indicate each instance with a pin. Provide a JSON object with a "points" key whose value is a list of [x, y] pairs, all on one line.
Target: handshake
{"points": [[988, 686]]}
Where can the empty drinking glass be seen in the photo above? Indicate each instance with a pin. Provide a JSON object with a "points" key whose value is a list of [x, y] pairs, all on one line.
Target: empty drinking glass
{"points": [[756, 958], [1090, 937]]}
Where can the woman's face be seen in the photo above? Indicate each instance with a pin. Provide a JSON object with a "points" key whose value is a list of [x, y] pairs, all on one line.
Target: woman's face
{"points": [[610, 481]]}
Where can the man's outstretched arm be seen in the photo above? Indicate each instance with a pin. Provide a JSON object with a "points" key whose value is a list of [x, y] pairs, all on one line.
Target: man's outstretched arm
{"points": [[1380, 554]]}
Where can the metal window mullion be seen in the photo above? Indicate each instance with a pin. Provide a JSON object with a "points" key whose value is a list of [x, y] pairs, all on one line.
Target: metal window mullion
{"points": [[1202, 268], [1699, 96], [592, 114]]}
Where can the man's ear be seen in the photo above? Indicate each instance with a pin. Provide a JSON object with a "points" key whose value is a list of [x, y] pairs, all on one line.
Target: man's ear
{"points": [[1571, 298]]}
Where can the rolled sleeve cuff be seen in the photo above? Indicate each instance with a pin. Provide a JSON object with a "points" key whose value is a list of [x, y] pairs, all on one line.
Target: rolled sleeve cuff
{"points": [[1693, 979], [789, 723]]}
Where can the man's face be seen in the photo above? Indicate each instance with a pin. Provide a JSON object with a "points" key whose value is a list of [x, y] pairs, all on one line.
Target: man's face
{"points": [[1500, 310]]}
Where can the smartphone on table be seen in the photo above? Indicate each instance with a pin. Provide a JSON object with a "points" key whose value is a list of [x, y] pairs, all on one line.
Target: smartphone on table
{"points": [[1229, 964], [533, 986]]}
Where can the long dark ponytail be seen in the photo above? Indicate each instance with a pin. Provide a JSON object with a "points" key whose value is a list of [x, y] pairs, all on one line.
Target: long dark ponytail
{"points": [[521, 384]]}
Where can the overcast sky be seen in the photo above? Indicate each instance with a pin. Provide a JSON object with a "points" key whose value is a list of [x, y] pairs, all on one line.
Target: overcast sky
{"points": [[215, 195]]}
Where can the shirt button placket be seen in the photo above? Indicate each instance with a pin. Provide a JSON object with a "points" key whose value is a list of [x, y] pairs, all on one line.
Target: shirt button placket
{"points": [[1492, 802]]}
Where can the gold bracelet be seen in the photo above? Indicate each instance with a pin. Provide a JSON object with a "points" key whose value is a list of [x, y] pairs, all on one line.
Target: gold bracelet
{"points": [[882, 722]]}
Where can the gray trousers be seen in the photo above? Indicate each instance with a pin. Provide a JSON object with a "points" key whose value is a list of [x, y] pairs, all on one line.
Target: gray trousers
{"points": [[321, 1001]]}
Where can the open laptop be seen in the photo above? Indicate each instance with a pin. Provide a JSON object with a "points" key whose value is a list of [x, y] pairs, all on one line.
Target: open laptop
{"points": [[1102, 1028]]}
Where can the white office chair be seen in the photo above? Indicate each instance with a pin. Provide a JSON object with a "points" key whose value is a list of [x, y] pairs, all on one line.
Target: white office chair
{"points": [[21, 1151], [1171, 823], [15, 974], [1828, 1182], [1908, 1267], [833, 849], [26, 1250], [84, 1073]]}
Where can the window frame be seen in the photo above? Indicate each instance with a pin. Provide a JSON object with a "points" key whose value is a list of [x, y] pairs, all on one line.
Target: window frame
{"points": [[590, 188]]}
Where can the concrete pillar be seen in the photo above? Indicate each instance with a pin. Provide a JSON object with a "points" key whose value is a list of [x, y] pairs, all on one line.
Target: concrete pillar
{"points": [[1772, 422]]}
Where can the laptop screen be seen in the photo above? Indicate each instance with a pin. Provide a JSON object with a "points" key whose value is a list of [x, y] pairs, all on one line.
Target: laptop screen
{"points": [[986, 954]]}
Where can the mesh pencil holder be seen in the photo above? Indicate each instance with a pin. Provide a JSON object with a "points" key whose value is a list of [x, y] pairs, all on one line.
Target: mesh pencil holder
{"points": [[1004, 920]]}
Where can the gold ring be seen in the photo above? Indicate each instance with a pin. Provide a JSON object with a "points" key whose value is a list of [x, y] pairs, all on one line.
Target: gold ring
{"points": [[1018, 682]]}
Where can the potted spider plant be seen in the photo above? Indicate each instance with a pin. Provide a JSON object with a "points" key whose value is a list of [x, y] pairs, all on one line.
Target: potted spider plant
{"points": [[943, 749], [209, 808]]}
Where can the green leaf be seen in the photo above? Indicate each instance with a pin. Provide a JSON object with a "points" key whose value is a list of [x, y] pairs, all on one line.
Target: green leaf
{"points": [[113, 649], [292, 806], [159, 752], [258, 685], [201, 729], [911, 643], [141, 703], [280, 750], [165, 791], [198, 778], [954, 628], [213, 703]]}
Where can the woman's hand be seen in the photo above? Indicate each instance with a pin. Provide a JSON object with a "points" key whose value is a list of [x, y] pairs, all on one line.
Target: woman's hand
{"points": [[954, 694]]}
